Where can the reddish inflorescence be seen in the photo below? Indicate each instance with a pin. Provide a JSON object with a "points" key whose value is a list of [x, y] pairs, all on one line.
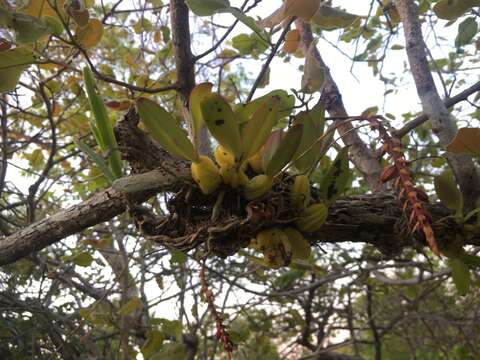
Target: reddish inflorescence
{"points": [[221, 332], [413, 199]]}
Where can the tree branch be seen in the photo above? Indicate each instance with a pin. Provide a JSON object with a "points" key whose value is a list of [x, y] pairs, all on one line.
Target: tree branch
{"points": [[184, 60], [433, 107], [450, 102], [100, 208], [363, 158], [370, 219]]}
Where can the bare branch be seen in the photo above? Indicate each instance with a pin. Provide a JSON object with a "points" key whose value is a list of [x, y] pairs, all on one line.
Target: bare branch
{"points": [[433, 107], [450, 102]]}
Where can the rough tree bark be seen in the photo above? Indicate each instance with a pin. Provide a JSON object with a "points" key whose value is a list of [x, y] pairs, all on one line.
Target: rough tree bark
{"points": [[363, 158], [442, 124], [372, 219]]}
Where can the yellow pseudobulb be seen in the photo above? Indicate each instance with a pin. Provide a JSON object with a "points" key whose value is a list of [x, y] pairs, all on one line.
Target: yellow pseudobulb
{"points": [[206, 174]]}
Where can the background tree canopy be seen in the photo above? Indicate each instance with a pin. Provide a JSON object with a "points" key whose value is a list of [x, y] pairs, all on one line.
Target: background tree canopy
{"points": [[110, 248]]}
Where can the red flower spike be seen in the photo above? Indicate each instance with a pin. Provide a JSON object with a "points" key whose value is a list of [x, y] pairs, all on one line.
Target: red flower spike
{"points": [[415, 198]]}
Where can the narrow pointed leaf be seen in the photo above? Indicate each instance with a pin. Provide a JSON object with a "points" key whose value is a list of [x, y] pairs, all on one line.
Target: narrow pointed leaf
{"points": [[196, 96], [98, 160], [164, 128], [102, 124], [308, 152], [271, 146], [245, 111], [248, 21], [285, 151], [460, 275]]}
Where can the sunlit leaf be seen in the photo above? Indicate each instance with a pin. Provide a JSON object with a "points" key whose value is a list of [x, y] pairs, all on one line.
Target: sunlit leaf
{"points": [[41, 8], [244, 111]]}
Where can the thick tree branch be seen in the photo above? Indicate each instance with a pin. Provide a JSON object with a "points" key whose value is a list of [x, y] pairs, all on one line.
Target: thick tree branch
{"points": [[184, 60], [100, 208], [370, 219], [433, 107], [363, 158]]}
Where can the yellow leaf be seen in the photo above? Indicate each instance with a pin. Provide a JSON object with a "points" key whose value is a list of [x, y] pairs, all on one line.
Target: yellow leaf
{"points": [[292, 41], [467, 141], [90, 35], [157, 36], [81, 17], [48, 66], [41, 8]]}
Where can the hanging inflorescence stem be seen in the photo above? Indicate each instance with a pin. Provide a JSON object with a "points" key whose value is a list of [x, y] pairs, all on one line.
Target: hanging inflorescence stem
{"points": [[221, 333], [413, 199]]}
